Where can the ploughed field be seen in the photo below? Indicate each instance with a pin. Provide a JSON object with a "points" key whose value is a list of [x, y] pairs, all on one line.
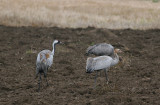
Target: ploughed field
{"points": [[135, 80]]}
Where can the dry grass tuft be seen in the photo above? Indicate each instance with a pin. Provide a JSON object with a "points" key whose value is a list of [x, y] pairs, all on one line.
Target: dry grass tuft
{"points": [[113, 14]]}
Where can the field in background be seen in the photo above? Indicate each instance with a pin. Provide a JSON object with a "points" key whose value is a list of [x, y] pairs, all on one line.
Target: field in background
{"points": [[134, 81], [112, 14]]}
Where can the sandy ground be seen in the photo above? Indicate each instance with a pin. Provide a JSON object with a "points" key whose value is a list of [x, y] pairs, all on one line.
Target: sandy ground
{"points": [[134, 81]]}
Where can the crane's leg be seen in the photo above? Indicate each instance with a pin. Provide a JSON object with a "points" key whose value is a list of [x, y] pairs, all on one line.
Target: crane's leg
{"points": [[39, 82], [45, 76], [95, 79], [106, 75]]}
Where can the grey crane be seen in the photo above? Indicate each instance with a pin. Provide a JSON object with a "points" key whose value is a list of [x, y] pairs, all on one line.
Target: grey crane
{"points": [[44, 62], [101, 49], [102, 63]]}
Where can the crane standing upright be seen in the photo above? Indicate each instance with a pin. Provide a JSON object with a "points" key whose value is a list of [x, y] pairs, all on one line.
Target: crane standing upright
{"points": [[44, 62]]}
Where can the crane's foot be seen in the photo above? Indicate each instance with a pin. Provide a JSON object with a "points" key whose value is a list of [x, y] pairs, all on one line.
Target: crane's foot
{"points": [[107, 81]]}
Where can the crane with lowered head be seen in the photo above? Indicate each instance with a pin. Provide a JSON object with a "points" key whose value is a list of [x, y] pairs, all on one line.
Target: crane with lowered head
{"points": [[101, 49]]}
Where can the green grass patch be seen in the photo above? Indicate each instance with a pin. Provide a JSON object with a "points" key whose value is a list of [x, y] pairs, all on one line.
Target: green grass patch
{"points": [[155, 1], [30, 51]]}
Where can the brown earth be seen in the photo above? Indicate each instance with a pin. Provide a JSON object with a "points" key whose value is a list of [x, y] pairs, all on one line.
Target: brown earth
{"points": [[134, 81]]}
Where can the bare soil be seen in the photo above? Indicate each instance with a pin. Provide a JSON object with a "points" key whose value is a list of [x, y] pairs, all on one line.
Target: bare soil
{"points": [[134, 81]]}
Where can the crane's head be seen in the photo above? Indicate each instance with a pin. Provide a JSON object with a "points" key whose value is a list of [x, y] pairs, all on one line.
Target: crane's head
{"points": [[57, 42], [117, 51]]}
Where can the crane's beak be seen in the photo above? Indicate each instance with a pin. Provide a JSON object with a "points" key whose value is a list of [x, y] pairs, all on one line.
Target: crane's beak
{"points": [[61, 43]]}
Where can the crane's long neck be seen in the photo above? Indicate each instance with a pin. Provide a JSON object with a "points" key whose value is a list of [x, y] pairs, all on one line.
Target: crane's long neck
{"points": [[53, 49], [115, 60]]}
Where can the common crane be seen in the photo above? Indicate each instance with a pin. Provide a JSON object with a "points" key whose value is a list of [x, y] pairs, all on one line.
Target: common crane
{"points": [[102, 63], [44, 62], [101, 49]]}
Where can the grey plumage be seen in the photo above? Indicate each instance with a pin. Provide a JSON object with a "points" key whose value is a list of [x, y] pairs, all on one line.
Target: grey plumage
{"points": [[102, 63], [89, 64], [101, 49], [44, 62]]}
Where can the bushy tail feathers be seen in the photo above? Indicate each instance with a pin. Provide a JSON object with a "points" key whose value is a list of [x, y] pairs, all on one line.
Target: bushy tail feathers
{"points": [[89, 67], [41, 67]]}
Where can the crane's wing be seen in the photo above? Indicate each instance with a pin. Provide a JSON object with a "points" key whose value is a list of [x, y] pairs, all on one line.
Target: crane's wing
{"points": [[106, 49], [92, 47], [102, 62], [101, 49], [45, 58]]}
